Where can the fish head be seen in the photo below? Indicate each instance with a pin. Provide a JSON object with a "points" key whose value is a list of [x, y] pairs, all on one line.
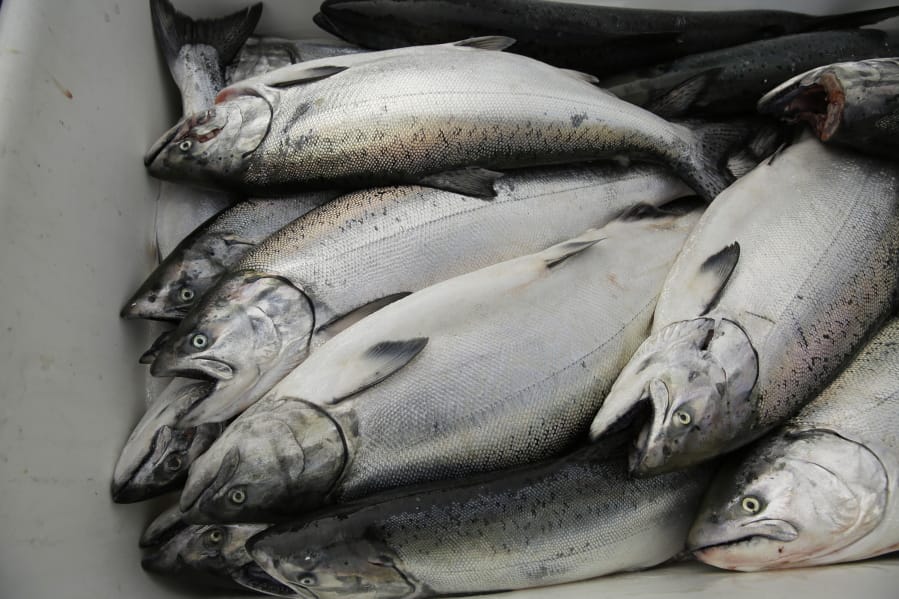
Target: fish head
{"points": [[794, 499], [690, 383], [329, 558], [212, 148], [178, 283], [157, 456], [163, 541], [237, 330], [277, 458]]}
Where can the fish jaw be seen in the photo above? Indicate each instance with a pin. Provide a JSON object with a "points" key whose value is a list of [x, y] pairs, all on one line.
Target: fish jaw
{"points": [[695, 378], [252, 576], [763, 537], [817, 98]]}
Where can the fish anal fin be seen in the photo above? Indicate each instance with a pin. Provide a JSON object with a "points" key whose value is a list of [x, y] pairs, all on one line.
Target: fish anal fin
{"points": [[345, 321], [714, 274], [378, 363], [470, 181], [487, 42]]}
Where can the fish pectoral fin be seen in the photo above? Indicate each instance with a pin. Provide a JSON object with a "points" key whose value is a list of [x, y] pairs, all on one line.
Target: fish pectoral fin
{"points": [[305, 75], [376, 364], [679, 99], [236, 240], [289, 76], [471, 181], [555, 255], [487, 42], [711, 278], [344, 321]]}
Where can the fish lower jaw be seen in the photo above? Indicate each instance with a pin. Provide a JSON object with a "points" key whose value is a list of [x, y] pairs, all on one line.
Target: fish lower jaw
{"points": [[720, 555], [254, 577]]}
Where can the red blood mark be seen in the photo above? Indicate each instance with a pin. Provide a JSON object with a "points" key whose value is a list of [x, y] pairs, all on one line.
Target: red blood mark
{"points": [[62, 89]]}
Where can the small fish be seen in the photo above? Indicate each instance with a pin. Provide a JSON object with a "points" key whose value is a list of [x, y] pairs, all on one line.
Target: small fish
{"points": [[194, 266], [263, 54], [855, 104], [157, 455], [303, 127], [556, 522], [331, 267], [823, 489], [171, 546], [782, 280], [492, 369], [731, 81], [601, 40]]}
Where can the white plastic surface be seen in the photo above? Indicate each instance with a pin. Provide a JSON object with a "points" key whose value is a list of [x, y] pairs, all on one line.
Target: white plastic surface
{"points": [[83, 92]]}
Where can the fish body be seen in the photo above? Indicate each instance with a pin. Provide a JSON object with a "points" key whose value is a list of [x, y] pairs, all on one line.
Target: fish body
{"points": [[821, 490], [553, 523], [196, 52], [492, 369], [359, 121], [214, 247], [367, 248], [782, 280], [263, 54], [855, 104], [731, 81], [601, 40]]}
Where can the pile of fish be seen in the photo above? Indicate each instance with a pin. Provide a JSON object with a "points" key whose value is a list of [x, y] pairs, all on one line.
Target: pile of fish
{"points": [[448, 318]]}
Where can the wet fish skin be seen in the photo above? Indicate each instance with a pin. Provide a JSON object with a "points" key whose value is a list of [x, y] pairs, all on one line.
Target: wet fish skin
{"points": [[263, 54], [385, 402], [558, 522], [822, 489], [364, 249], [848, 103], [601, 40], [740, 342], [194, 266], [732, 80], [341, 122]]}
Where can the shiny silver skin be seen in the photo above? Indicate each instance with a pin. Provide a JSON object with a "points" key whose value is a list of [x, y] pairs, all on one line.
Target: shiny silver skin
{"points": [[499, 367], [782, 280], [263, 54], [548, 524], [359, 120], [848, 103], [365, 248], [197, 263], [823, 489]]}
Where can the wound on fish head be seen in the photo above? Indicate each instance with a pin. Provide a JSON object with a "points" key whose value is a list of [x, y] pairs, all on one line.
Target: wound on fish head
{"points": [[332, 557], [275, 460], [793, 500], [695, 379], [817, 97], [211, 147]]}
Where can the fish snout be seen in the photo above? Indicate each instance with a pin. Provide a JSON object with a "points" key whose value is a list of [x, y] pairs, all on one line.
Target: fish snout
{"points": [[204, 481]]}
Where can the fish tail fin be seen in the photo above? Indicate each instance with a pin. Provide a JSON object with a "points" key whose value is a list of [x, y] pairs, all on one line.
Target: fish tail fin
{"points": [[708, 166], [227, 34], [854, 19]]}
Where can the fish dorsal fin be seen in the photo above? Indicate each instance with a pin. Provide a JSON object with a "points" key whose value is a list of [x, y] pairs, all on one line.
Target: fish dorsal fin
{"points": [[344, 321], [555, 255], [374, 365], [289, 76], [581, 76], [471, 181], [714, 274], [678, 100], [487, 42]]}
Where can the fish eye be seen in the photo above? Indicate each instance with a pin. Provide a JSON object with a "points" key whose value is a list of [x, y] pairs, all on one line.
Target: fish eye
{"points": [[185, 145], [199, 340], [237, 496], [214, 536], [751, 505], [308, 580], [173, 462], [187, 294], [683, 418]]}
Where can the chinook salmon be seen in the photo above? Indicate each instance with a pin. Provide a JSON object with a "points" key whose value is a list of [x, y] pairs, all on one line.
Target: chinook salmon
{"points": [[496, 368], [359, 120], [822, 490], [782, 280]]}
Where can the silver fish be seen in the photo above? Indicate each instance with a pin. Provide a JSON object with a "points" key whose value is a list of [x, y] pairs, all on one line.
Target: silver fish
{"points": [[157, 455], [823, 489], [202, 257], [171, 546], [263, 54], [553, 523], [360, 120], [782, 280], [196, 52], [492, 369], [368, 248], [849, 103]]}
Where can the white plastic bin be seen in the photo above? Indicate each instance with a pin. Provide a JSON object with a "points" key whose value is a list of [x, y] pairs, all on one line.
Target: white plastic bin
{"points": [[83, 92]]}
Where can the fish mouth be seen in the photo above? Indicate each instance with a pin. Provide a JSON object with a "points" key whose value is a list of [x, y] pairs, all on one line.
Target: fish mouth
{"points": [[179, 128], [200, 367], [779, 531], [819, 104], [252, 576]]}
